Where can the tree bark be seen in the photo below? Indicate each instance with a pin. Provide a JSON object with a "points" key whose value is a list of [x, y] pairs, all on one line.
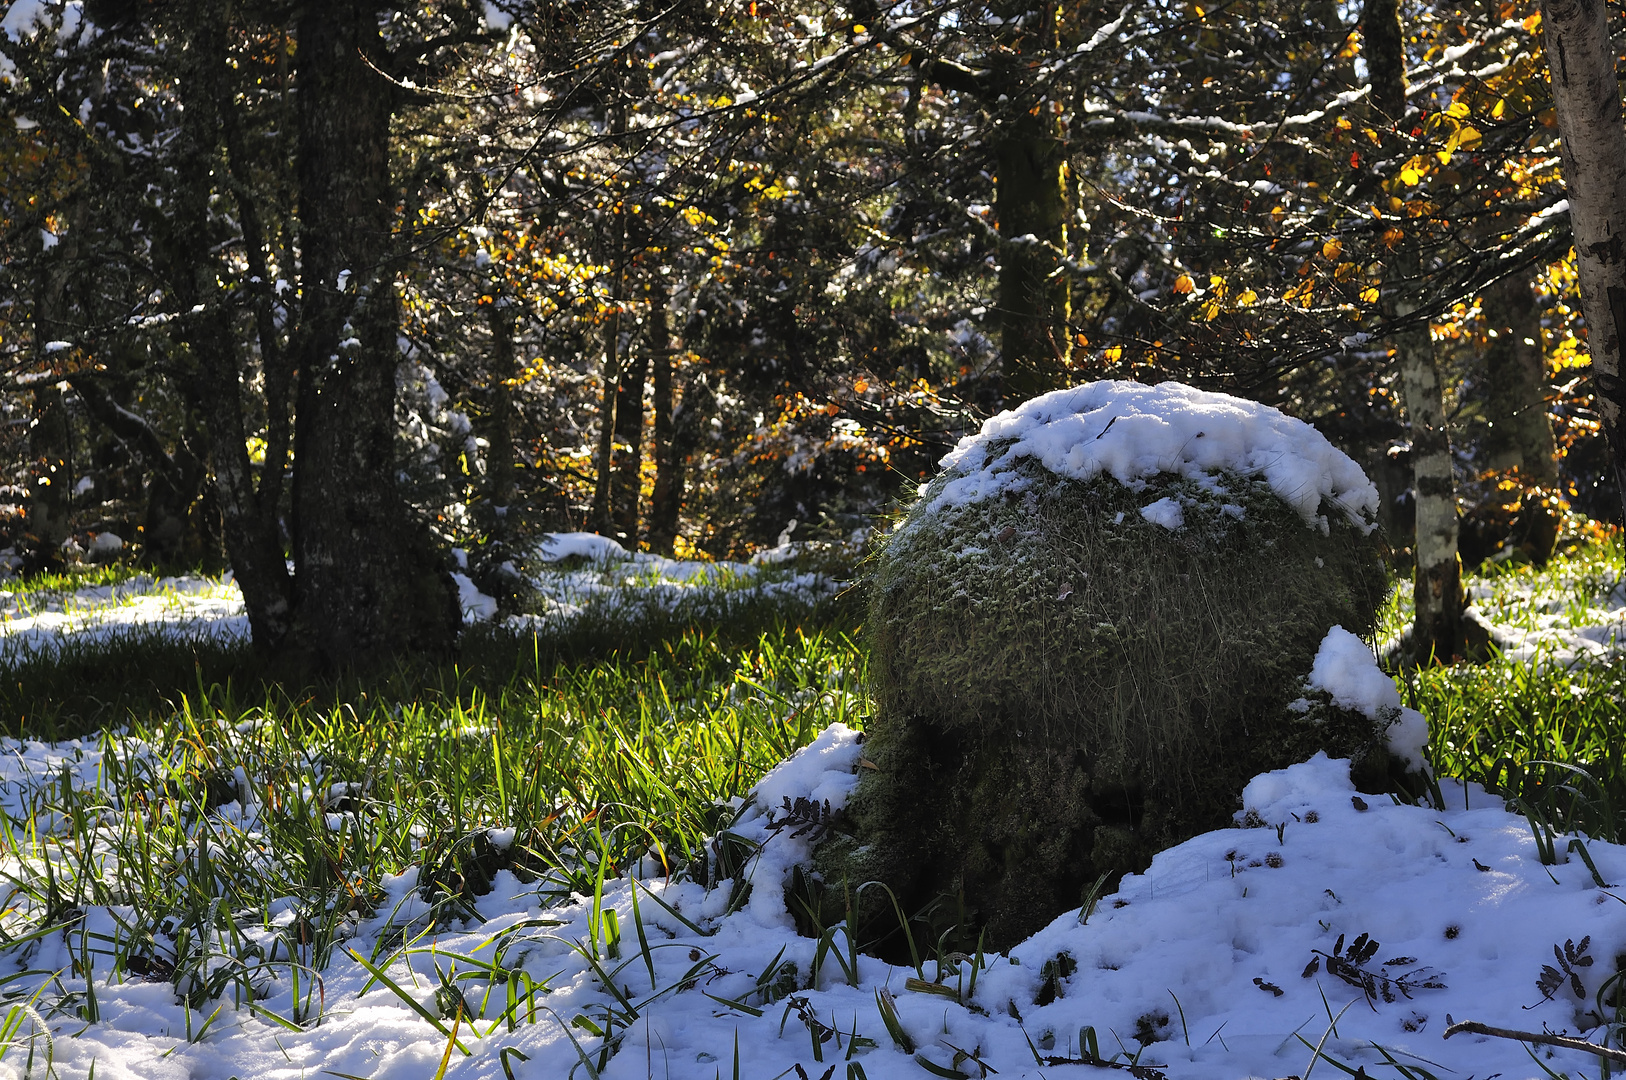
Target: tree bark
{"points": [[602, 516], [50, 484], [1521, 434], [1030, 202], [249, 520], [1437, 592], [1586, 98], [626, 480], [500, 425], [1035, 302], [667, 492], [367, 583], [688, 423]]}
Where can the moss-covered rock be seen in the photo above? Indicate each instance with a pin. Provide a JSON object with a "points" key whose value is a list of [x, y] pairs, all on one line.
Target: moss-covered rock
{"points": [[1064, 685]]}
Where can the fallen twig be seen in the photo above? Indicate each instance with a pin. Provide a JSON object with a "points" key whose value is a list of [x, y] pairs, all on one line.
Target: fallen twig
{"points": [[1473, 1027]]}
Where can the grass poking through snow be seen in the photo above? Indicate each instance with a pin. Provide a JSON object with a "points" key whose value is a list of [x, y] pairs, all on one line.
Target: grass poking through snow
{"points": [[232, 831]]}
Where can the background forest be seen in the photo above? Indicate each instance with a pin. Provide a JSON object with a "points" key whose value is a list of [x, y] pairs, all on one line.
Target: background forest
{"points": [[301, 283]]}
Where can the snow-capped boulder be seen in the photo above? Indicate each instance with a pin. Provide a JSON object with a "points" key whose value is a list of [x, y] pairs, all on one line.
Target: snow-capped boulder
{"points": [[1087, 634]]}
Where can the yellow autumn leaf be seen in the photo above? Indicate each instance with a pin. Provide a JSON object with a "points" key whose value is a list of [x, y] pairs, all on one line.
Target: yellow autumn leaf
{"points": [[1113, 354], [860, 28], [1210, 310], [1392, 237], [1183, 284], [1369, 295], [1499, 109], [860, 386], [1332, 249], [1533, 23], [1458, 109], [1469, 137]]}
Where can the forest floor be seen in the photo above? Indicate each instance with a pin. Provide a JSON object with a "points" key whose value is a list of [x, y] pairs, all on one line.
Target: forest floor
{"points": [[565, 857]]}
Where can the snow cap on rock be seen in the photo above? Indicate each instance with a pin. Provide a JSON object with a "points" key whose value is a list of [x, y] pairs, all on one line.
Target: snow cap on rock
{"points": [[1134, 432]]}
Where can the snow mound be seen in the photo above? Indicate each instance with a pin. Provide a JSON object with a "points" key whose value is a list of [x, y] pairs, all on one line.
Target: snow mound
{"points": [[1134, 432], [557, 547]]}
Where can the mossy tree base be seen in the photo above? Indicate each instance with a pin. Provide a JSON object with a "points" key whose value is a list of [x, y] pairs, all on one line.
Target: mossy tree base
{"points": [[1064, 687]]}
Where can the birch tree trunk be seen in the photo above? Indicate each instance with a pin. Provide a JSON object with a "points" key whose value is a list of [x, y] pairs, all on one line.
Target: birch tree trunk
{"points": [[1437, 631], [1586, 97]]}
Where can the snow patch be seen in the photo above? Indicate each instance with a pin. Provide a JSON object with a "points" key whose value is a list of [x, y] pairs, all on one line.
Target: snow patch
{"points": [[1165, 512]]}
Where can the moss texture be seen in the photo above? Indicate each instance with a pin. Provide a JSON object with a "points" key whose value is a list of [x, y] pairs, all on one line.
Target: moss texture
{"points": [[1063, 687]]}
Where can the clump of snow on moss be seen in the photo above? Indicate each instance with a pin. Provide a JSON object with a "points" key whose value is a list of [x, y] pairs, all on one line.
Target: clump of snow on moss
{"points": [[1135, 432], [1165, 512], [1346, 669]]}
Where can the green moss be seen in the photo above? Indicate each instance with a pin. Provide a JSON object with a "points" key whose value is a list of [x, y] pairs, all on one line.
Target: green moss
{"points": [[1063, 688]]}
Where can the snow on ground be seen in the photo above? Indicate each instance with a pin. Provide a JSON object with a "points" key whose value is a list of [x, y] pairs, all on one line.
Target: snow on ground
{"points": [[1134, 432], [1559, 632], [1230, 958], [181, 606], [612, 581]]}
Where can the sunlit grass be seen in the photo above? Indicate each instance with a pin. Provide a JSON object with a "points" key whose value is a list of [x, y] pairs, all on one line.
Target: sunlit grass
{"points": [[1500, 721], [234, 827]]}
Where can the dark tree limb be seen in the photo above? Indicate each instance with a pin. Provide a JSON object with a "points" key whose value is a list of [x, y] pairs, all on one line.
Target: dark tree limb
{"points": [[1541, 1038]]}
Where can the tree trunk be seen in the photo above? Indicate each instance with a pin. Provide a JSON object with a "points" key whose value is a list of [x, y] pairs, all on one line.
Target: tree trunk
{"points": [[1437, 629], [367, 582], [1521, 435], [1586, 97], [50, 484], [667, 492], [604, 459], [500, 423], [1035, 302], [626, 480], [249, 518], [688, 424]]}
